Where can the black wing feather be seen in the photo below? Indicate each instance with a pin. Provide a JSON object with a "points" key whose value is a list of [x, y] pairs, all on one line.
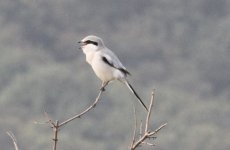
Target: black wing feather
{"points": [[124, 71], [112, 65], [107, 62]]}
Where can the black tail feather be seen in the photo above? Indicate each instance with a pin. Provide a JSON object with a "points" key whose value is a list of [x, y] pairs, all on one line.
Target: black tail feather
{"points": [[135, 93]]}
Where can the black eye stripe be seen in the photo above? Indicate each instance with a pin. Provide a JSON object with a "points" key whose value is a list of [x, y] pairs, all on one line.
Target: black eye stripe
{"points": [[91, 42]]}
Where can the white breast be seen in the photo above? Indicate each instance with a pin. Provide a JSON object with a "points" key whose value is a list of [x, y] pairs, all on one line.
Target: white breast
{"points": [[89, 51], [101, 69]]}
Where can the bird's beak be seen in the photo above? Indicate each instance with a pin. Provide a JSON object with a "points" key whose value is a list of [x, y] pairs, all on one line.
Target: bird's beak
{"points": [[81, 44]]}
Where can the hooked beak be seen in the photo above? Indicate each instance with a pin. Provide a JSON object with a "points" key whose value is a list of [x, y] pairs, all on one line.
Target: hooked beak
{"points": [[81, 44]]}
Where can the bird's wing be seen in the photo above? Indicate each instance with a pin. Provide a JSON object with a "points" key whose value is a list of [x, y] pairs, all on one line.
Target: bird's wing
{"points": [[111, 59]]}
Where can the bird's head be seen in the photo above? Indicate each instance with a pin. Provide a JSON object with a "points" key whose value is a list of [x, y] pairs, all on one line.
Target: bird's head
{"points": [[91, 42]]}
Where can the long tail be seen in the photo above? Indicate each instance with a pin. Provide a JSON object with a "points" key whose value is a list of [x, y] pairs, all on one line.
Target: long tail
{"points": [[135, 93]]}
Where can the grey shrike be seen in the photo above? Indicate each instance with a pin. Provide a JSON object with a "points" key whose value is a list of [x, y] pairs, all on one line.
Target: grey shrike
{"points": [[105, 63]]}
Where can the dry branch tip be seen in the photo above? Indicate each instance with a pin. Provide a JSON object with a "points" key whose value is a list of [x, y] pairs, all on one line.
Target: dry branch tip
{"points": [[11, 135]]}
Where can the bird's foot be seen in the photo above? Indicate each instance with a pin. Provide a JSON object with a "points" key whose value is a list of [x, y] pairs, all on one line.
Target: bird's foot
{"points": [[102, 89], [104, 84]]}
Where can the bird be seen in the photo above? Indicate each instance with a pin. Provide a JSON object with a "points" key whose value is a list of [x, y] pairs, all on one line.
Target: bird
{"points": [[105, 63]]}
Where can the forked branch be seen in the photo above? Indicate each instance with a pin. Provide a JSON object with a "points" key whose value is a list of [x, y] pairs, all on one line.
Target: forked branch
{"points": [[148, 134], [56, 125]]}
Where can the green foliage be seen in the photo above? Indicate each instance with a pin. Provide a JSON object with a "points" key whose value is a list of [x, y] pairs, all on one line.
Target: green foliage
{"points": [[180, 48]]}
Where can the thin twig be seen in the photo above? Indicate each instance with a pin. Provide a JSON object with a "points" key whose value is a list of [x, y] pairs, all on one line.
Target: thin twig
{"points": [[141, 124], [55, 139], [56, 125], [11, 135], [135, 126], [49, 120], [149, 111], [157, 130], [83, 112], [147, 134], [147, 143]]}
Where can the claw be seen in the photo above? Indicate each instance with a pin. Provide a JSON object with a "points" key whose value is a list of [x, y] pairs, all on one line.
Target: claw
{"points": [[104, 84], [102, 89]]}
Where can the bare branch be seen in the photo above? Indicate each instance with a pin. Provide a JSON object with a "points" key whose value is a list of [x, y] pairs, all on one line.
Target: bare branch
{"points": [[149, 111], [56, 125], [158, 129], [141, 124], [147, 134], [83, 112], [11, 135], [135, 126], [55, 139], [147, 143], [49, 120]]}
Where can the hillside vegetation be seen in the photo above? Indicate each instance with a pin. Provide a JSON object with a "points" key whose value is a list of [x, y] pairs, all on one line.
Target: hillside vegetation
{"points": [[180, 48]]}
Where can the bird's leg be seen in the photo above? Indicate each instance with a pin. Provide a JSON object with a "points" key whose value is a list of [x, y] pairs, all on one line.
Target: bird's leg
{"points": [[103, 86]]}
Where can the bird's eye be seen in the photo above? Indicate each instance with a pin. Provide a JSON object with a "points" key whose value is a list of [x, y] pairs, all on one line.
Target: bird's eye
{"points": [[91, 42], [87, 42]]}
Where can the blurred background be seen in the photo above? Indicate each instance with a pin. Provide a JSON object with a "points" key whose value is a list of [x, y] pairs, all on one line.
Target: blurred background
{"points": [[181, 48]]}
